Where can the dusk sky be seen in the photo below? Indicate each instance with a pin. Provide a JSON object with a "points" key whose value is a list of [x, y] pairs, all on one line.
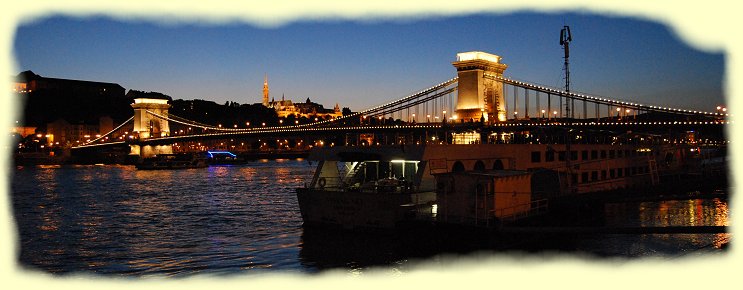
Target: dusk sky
{"points": [[359, 64]]}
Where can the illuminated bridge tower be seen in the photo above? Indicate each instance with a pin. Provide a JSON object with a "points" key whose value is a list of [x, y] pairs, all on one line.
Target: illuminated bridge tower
{"points": [[479, 97], [147, 125]]}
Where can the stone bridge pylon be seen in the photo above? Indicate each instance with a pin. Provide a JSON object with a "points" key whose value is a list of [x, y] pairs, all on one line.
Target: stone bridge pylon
{"points": [[479, 97], [147, 125]]}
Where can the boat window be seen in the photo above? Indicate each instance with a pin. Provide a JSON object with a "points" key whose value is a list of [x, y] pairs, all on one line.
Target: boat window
{"points": [[536, 156], [384, 169], [397, 169], [458, 167], [479, 165], [411, 168], [498, 165], [371, 170]]}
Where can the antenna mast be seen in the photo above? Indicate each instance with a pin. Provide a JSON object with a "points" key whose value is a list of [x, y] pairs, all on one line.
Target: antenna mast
{"points": [[565, 39]]}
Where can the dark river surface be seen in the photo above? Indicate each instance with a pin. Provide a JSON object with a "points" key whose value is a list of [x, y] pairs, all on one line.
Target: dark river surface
{"points": [[114, 220]]}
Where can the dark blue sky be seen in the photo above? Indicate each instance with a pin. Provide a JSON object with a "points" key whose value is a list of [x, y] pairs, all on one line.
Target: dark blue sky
{"points": [[364, 63]]}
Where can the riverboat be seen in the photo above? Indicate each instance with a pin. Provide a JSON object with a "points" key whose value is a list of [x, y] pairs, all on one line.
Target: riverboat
{"points": [[172, 161], [390, 186]]}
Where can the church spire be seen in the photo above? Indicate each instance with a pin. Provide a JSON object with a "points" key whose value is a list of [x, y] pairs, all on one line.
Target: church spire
{"points": [[265, 90]]}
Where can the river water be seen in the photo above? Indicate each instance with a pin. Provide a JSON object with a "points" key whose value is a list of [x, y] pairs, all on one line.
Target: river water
{"points": [[115, 220]]}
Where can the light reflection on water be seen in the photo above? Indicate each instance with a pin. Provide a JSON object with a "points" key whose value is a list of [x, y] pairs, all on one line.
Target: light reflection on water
{"points": [[696, 212], [116, 219], [237, 219]]}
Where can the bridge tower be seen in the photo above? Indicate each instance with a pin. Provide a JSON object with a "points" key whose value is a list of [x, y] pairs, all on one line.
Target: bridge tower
{"points": [[480, 97], [147, 125]]}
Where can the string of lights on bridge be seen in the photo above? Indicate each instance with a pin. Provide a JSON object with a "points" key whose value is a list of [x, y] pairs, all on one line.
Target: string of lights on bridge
{"points": [[413, 100], [109, 132], [597, 99]]}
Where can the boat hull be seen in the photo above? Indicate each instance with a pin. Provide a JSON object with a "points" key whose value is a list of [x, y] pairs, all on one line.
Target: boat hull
{"points": [[358, 210]]}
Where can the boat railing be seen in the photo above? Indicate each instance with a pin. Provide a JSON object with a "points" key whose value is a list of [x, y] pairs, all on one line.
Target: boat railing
{"points": [[520, 211], [379, 186]]}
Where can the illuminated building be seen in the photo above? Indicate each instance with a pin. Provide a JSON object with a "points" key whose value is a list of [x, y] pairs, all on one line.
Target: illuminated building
{"points": [[308, 109]]}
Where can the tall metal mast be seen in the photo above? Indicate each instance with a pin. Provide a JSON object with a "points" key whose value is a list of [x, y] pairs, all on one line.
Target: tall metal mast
{"points": [[565, 39]]}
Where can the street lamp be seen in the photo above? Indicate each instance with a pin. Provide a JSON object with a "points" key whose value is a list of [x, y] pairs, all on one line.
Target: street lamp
{"points": [[515, 115], [542, 114]]}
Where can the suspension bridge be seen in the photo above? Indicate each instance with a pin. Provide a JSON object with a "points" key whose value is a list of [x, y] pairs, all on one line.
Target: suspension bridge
{"points": [[479, 105]]}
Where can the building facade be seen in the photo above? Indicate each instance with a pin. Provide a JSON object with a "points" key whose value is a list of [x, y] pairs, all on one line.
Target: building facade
{"points": [[308, 109]]}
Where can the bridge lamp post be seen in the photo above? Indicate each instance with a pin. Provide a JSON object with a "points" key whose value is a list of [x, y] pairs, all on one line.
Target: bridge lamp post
{"points": [[413, 117], [444, 116], [626, 112], [428, 118], [554, 114], [515, 115], [543, 114], [618, 111]]}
